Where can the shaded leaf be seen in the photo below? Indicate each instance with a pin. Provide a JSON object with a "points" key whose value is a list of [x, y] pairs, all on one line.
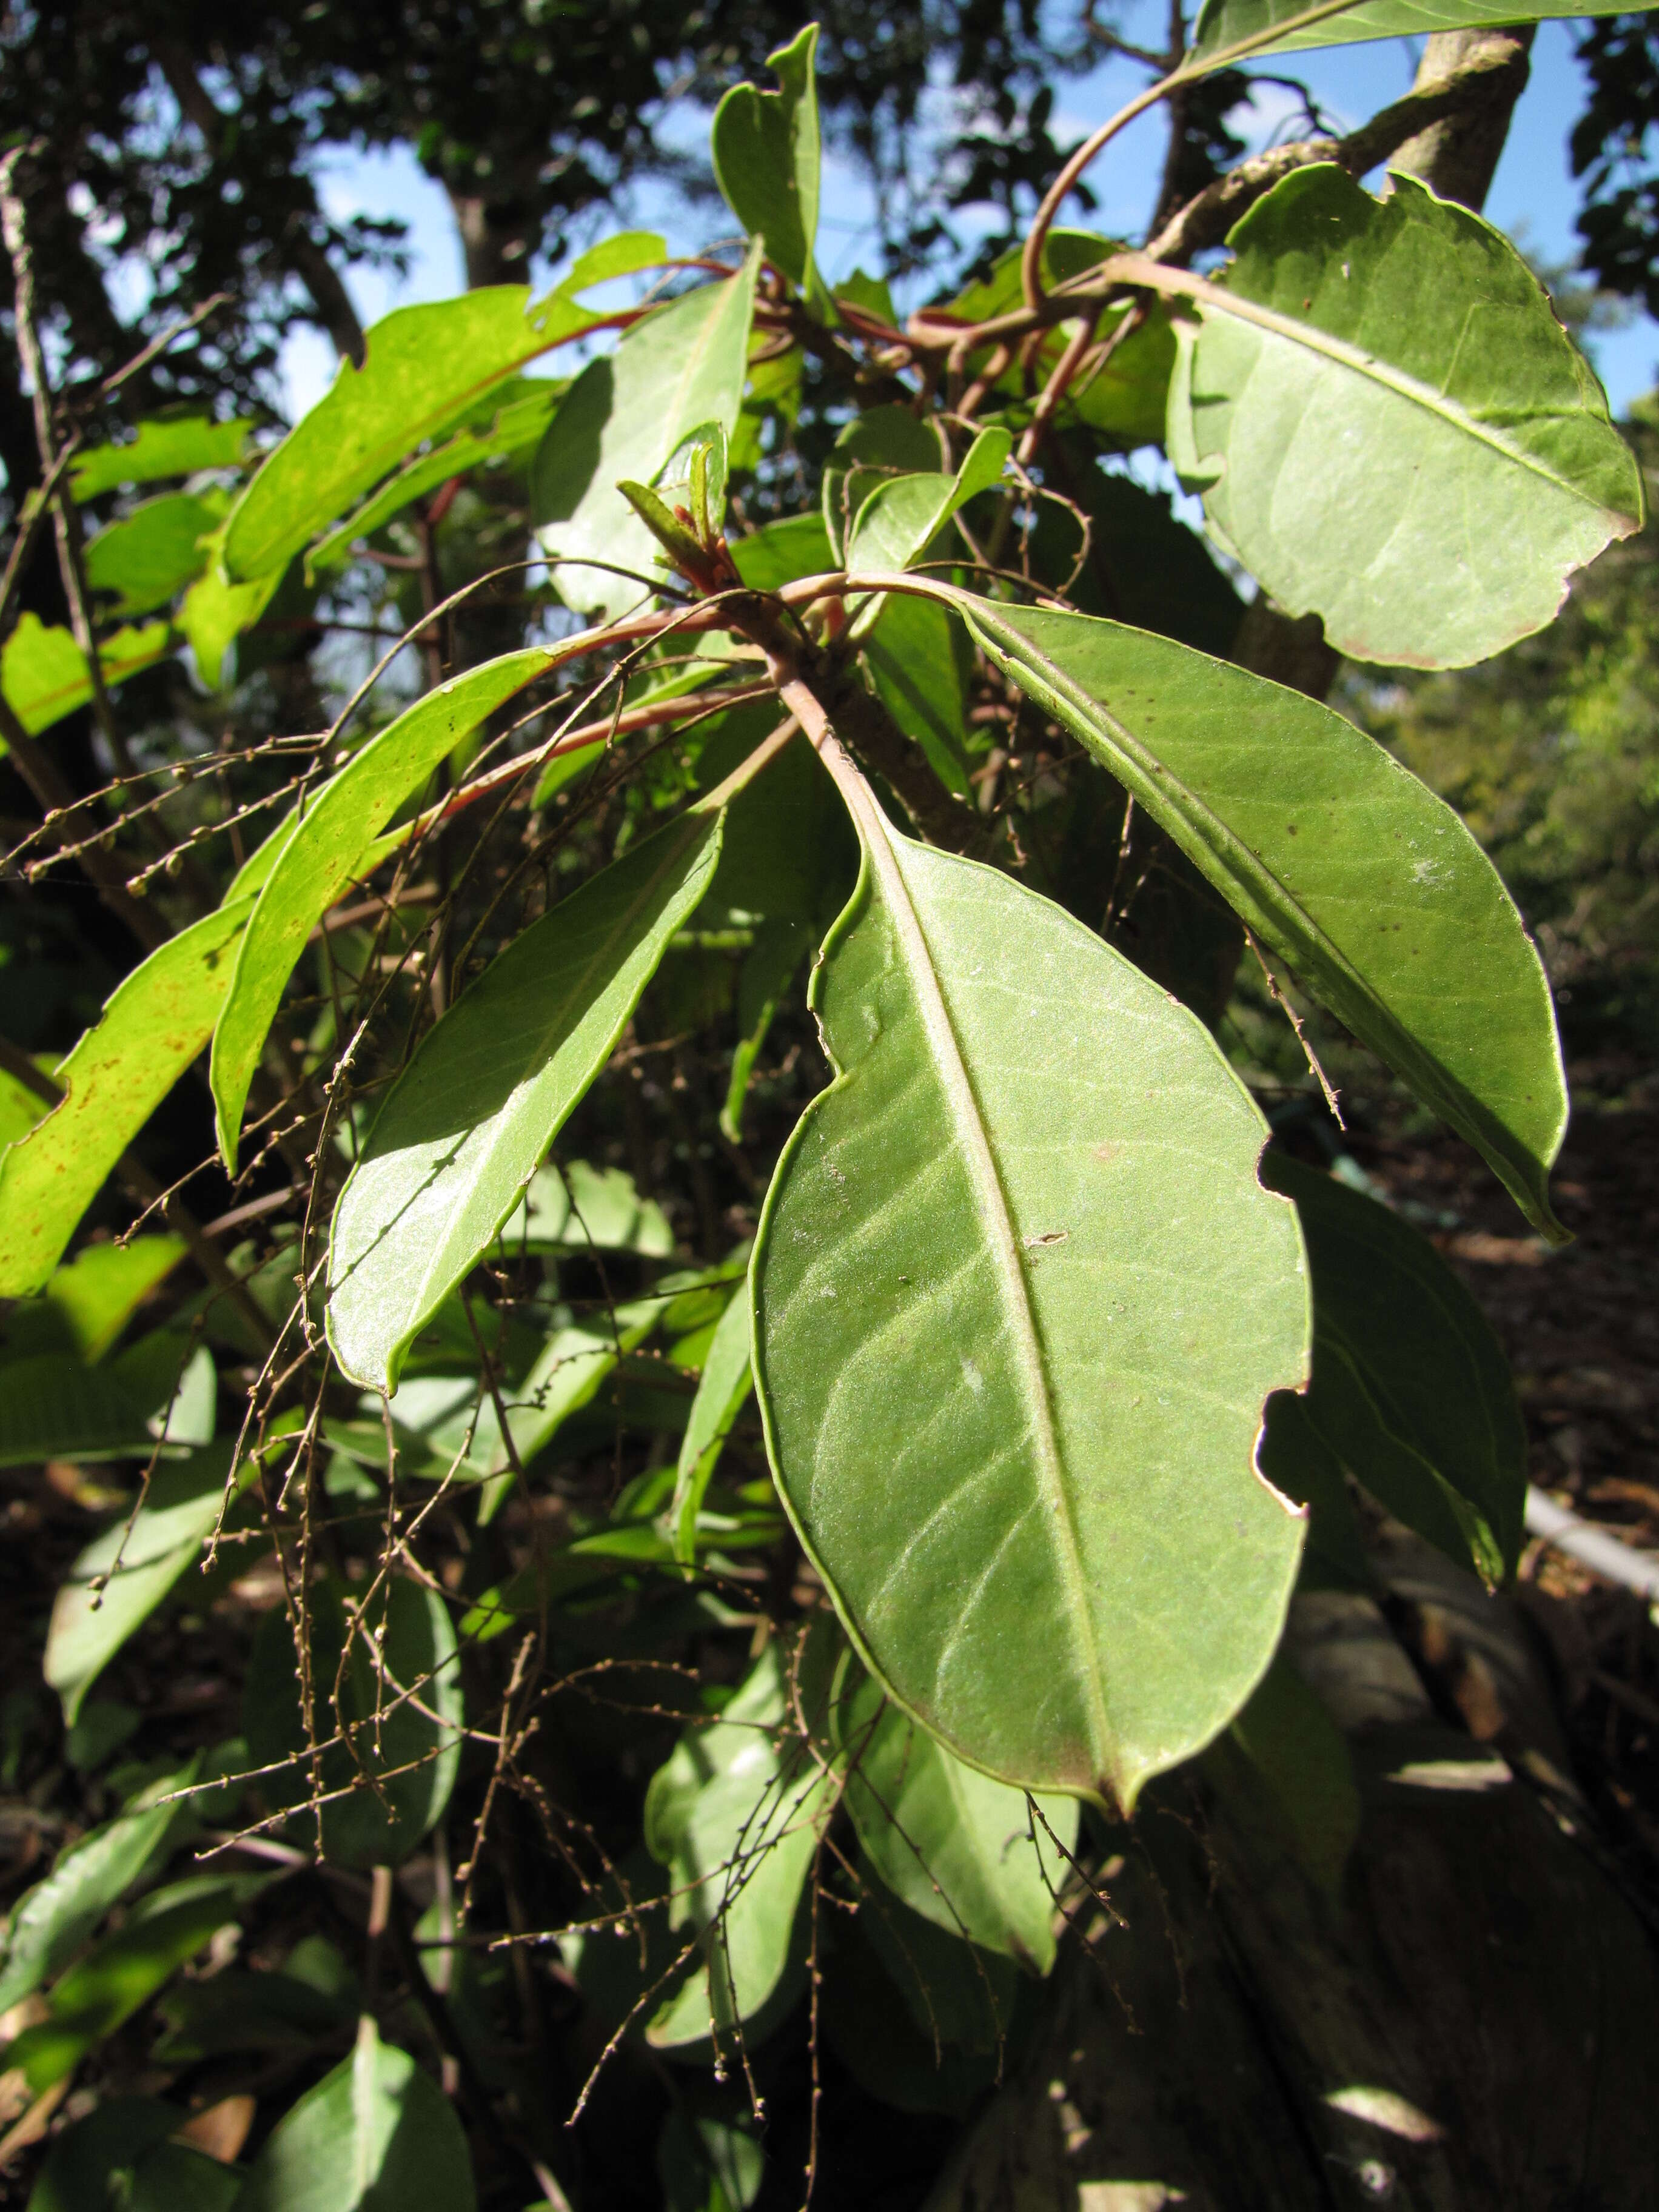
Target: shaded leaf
{"points": [[624, 415], [877, 446], [1068, 1568], [377, 2134], [912, 653], [464, 1126], [1411, 1391], [961, 1850], [579, 1208], [119, 2159], [317, 857], [767, 160], [50, 1923], [1299, 1763], [424, 368], [1343, 864], [778, 950], [1390, 428], [396, 1706], [152, 1027], [88, 1302], [897, 521]]}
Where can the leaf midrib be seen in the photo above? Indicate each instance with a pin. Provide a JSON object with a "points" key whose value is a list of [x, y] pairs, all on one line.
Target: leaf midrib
{"points": [[994, 1206]]}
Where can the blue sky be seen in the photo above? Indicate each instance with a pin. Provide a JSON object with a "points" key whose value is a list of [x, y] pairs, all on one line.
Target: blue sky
{"points": [[1532, 198]]}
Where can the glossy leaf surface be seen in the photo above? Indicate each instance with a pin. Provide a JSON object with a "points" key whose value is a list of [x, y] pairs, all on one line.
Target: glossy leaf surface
{"points": [[961, 1850], [1224, 22], [1410, 1390], [152, 1027], [1346, 866], [622, 417], [1019, 1300], [316, 860], [423, 369], [1391, 428], [374, 2136], [469, 1120]]}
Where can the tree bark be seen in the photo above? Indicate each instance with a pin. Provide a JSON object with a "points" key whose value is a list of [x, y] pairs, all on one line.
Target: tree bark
{"points": [[1458, 156]]}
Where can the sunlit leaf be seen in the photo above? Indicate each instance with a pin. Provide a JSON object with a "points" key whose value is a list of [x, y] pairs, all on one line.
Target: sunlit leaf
{"points": [[215, 612], [1390, 428], [166, 446], [376, 2133], [467, 1123], [1345, 866], [961, 1850], [622, 417], [1018, 1302], [1224, 23], [724, 1385], [897, 522], [316, 860], [152, 1027], [43, 672], [50, 1923], [736, 1816], [424, 368], [147, 556], [1411, 1391], [88, 1302], [578, 1207], [767, 160]]}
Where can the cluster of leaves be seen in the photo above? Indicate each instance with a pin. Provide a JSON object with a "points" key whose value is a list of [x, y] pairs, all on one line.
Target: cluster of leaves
{"points": [[758, 1538]]}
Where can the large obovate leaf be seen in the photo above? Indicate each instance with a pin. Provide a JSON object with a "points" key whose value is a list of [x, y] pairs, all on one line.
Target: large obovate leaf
{"points": [[1390, 428], [1343, 865], [768, 161], [1411, 1391], [624, 416], [467, 1123], [423, 368], [319, 849], [1224, 24], [152, 1028], [1019, 1299]]}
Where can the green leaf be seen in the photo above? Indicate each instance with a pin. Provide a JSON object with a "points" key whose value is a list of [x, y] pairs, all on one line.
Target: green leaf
{"points": [[50, 1923], [515, 428], [215, 612], [960, 1998], [778, 950], [424, 368], [898, 521], [1391, 428], [767, 160], [54, 1406], [152, 1027], [467, 1124], [90, 1301], [126, 1571], [1343, 865], [1067, 1568], [160, 1935], [961, 1850], [166, 446], [1299, 1773], [736, 1816], [150, 555], [377, 2134], [43, 673], [397, 1712], [913, 655], [726, 1379], [118, 2158], [20, 1107], [317, 859], [622, 417], [876, 448], [1223, 23], [580, 1209], [1411, 1391]]}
